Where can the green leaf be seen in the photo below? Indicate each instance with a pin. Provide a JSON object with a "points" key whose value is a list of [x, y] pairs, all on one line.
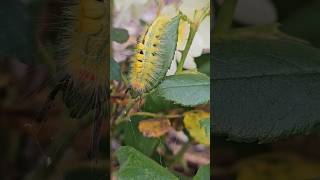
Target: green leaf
{"points": [[114, 70], [134, 138], [119, 35], [188, 89], [203, 173], [155, 103], [267, 31], [203, 64], [16, 32], [265, 89], [205, 123], [136, 166]]}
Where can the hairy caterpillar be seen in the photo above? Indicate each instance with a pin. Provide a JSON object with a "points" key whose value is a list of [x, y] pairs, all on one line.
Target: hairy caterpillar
{"points": [[154, 54], [84, 65]]}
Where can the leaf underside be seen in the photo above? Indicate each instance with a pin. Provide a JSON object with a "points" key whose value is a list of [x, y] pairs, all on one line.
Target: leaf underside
{"points": [[265, 89]]}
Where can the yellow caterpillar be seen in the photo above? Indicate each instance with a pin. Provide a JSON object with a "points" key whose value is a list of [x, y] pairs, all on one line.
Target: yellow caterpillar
{"points": [[154, 54], [86, 58], [84, 66]]}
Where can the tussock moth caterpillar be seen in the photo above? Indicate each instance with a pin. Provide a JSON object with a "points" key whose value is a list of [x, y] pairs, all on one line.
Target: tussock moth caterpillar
{"points": [[84, 65], [154, 54]]}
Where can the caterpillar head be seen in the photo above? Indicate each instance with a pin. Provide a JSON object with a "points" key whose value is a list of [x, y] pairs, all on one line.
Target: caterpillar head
{"points": [[93, 15]]}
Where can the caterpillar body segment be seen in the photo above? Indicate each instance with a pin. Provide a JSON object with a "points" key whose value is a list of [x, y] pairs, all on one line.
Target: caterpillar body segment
{"points": [[154, 54], [82, 64], [86, 65], [85, 59]]}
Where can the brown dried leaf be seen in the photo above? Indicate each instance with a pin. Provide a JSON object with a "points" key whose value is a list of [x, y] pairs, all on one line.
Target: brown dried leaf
{"points": [[154, 127]]}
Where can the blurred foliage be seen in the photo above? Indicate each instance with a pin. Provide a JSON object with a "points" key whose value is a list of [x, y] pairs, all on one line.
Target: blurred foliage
{"points": [[134, 138], [17, 39], [193, 121], [278, 167], [85, 173], [115, 73], [304, 23], [263, 84], [203, 173], [203, 64], [30, 149], [265, 89], [119, 35]]}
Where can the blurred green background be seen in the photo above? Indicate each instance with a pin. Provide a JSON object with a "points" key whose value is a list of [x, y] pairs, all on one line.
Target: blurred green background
{"points": [[295, 157]]}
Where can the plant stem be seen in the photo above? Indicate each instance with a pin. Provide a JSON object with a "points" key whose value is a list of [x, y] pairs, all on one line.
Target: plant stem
{"points": [[193, 30], [225, 16], [123, 116]]}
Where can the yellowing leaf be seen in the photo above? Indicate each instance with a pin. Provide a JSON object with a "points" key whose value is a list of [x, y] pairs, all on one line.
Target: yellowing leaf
{"points": [[154, 127], [192, 121]]}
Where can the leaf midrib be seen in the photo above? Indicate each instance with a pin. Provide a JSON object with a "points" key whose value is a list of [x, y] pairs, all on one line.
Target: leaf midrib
{"points": [[265, 76], [180, 86]]}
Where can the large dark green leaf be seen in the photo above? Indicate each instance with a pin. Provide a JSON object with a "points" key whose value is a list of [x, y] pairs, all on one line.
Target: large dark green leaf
{"points": [[134, 138], [188, 89], [16, 33], [265, 89], [136, 166]]}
